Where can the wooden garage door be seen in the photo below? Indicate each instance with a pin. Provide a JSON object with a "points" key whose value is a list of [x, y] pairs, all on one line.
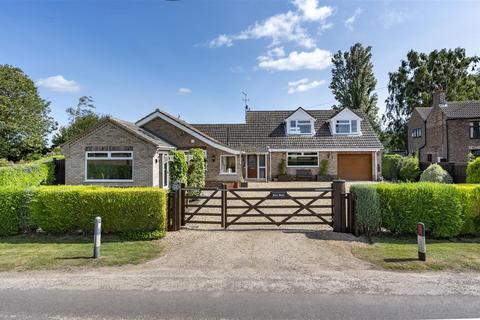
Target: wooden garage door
{"points": [[354, 166]]}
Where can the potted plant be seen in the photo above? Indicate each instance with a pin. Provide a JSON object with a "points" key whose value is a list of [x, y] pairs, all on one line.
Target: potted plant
{"points": [[243, 183], [322, 172], [282, 168]]}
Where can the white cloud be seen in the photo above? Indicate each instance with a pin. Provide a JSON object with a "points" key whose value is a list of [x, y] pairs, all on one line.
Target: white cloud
{"points": [[303, 85], [317, 59], [184, 91], [350, 21], [58, 84], [324, 27], [392, 17], [283, 27], [276, 52], [220, 41], [311, 10]]}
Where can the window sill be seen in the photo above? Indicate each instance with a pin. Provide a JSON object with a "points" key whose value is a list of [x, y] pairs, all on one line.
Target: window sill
{"points": [[228, 174]]}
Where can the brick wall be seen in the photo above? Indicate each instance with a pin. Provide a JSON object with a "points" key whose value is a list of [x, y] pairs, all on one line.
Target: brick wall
{"points": [[459, 142], [145, 173], [436, 136], [185, 141], [414, 144]]}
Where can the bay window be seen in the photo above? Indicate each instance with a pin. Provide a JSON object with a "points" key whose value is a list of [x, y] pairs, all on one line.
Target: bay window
{"points": [[302, 159], [109, 166]]}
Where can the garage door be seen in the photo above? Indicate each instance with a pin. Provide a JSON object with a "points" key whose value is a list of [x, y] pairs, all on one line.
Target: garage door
{"points": [[354, 166]]}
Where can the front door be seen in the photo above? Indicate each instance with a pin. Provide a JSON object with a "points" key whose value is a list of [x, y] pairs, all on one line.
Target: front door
{"points": [[252, 166]]}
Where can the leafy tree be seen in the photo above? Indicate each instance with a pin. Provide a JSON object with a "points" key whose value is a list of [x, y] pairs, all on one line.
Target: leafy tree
{"points": [[353, 82], [415, 80], [24, 116], [81, 117]]}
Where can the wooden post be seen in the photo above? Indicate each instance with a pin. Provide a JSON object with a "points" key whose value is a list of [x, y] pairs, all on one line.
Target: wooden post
{"points": [[171, 211], [182, 205], [338, 188], [224, 206]]}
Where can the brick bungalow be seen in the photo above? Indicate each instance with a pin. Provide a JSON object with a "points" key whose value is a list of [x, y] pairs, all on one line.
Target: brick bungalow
{"points": [[445, 132], [120, 153]]}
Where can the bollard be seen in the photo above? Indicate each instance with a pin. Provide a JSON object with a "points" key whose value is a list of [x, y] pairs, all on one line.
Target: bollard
{"points": [[422, 250], [97, 235]]}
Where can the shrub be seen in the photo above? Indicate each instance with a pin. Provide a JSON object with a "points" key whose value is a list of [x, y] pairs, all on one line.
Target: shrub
{"points": [[178, 168], [40, 172], [435, 173], [14, 210], [323, 167], [143, 235], [68, 209], [368, 213], [4, 162], [473, 171], [409, 169], [196, 170], [282, 167], [391, 166]]}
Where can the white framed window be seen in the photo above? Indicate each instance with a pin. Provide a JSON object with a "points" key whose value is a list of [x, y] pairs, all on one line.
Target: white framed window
{"points": [[302, 159], [300, 127], [228, 164], [109, 166], [346, 126]]}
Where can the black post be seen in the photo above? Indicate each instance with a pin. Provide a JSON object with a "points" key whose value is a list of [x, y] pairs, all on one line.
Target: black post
{"points": [[182, 205], [338, 189], [224, 206]]}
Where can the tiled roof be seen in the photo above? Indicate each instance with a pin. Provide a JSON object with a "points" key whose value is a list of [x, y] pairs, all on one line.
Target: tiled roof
{"points": [[455, 110], [266, 129], [141, 133]]}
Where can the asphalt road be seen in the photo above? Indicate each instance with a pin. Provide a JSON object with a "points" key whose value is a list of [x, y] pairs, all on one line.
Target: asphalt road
{"points": [[126, 304]]}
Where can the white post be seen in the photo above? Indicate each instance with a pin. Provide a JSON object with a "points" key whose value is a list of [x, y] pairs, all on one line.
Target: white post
{"points": [[97, 234], [422, 250]]}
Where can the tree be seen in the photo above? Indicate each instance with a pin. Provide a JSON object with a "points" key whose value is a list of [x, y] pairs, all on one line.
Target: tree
{"points": [[81, 117], [415, 80], [353, 82], [25, 118]]}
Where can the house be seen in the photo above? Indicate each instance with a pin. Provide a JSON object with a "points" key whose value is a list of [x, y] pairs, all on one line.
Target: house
{"points": [[120, 153], [445, 132]]}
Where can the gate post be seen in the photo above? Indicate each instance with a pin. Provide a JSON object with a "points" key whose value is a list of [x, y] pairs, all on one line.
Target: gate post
{"points": [[339, 221], [182, 205], [224, 206]]}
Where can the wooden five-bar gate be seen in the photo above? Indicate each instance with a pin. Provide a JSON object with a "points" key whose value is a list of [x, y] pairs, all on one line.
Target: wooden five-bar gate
{"points": [[262, 206]]}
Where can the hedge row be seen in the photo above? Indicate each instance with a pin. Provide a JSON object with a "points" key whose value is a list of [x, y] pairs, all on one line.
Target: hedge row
{"points": [[398, 168], [69, 209], [446, 210], [40, 172]]}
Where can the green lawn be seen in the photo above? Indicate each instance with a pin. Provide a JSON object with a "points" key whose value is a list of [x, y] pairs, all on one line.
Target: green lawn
{"points": [[401, 254], [34, 252]]}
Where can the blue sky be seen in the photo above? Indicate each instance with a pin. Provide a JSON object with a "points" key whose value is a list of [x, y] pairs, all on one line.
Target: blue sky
{"points": [[193, 58]]}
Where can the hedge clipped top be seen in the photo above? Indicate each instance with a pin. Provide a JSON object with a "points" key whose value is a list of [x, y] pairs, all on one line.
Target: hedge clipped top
{"points": [[446, 210], [35, 173]]}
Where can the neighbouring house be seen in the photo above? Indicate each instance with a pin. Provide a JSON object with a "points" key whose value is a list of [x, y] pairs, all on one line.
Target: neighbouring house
{"points": [[120, 153], [445, 132]]}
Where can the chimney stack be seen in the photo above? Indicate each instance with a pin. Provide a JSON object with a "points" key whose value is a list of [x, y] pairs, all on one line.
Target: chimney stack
{"points": [[439, 98]]}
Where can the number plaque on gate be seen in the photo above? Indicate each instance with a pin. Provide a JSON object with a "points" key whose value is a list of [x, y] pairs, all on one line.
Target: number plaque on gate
{"points": [[278, 194]]}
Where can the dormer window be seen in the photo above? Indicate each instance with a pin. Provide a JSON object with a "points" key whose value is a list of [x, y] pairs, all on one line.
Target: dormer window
{"points": [[346, 126], [300, 127]]}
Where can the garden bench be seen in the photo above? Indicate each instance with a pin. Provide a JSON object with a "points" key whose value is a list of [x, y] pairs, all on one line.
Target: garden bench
{"points": [[304, 175]]}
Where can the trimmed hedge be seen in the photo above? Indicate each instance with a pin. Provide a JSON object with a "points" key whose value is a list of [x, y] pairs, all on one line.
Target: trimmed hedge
{"points": [[40, 172], [68, 209], [446, 210], [14, 210]]}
